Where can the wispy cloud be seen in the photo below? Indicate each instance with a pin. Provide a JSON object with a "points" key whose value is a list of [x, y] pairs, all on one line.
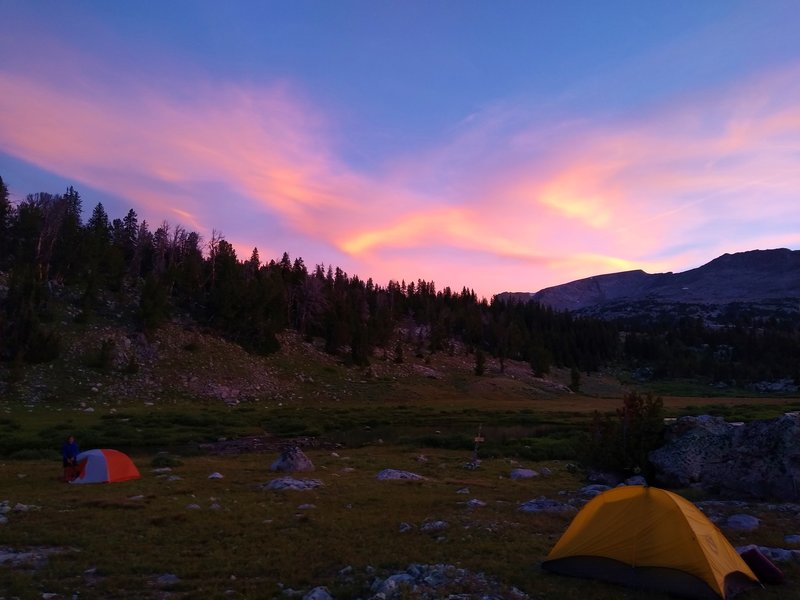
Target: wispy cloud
{"points": [[506, 202]]}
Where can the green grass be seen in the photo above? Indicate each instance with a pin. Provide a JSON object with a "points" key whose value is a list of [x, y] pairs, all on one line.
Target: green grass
{"points": [[259, 540]]}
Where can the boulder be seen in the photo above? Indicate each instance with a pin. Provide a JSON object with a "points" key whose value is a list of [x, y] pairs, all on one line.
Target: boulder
{"points": [[523, 474], [760, 459], [291, 460]]}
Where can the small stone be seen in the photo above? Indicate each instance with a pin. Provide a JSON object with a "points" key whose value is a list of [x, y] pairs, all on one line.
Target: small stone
{"points": [[523, 474], [405, 527], [290, 483], [215, 475], [388, 474], [463, 491], [594, 490], [544, 505], [434, 526], [193, 506], [475, 503], [168, 579]]}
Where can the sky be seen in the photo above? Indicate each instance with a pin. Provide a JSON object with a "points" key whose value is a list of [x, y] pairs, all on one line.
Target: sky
{"points": [[497, 145]]}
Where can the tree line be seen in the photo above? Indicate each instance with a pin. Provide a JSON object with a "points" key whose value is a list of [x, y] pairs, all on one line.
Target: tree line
{"points": [[45, 245]]}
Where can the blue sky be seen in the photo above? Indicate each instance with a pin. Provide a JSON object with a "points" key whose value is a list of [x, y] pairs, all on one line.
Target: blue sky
{"points": [[494, 145]]}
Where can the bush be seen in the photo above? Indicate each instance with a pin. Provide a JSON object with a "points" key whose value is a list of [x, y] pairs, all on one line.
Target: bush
{"points": [[622, 442]]}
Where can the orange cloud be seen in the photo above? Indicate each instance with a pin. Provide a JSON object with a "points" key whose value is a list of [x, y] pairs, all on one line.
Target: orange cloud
{"points": [[504, 203]]}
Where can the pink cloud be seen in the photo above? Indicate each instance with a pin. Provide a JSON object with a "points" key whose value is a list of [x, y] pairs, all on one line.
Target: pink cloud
{"points": [[504, 203]]}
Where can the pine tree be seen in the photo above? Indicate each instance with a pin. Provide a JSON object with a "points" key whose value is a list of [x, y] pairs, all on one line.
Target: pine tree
{"points": [[5, 226]]}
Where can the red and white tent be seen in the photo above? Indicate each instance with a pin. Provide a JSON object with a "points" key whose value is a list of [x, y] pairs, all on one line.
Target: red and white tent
{"points": [[104, 466]]}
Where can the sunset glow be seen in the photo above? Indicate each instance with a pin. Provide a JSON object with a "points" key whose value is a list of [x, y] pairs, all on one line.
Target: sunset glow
{"points": [[498, 176]]}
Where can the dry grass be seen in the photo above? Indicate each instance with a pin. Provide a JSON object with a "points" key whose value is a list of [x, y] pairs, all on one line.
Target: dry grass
{"points": [[257, 542], [118, 539]]}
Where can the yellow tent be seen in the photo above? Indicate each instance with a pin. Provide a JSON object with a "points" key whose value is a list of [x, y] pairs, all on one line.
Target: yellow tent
{"points": [[650, 538]]}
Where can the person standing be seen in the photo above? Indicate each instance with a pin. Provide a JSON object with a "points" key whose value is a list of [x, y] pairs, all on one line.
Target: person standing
{"points": [[69, 455]]}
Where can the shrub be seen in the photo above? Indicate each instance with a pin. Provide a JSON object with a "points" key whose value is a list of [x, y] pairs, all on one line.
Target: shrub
{"points": [[622, 442]]}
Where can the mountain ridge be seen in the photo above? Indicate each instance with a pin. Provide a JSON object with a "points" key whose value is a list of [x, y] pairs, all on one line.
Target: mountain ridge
{"points": [[752, 276]]}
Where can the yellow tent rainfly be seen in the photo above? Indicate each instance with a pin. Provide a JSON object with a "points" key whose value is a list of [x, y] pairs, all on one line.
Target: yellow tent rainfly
{"points": [[650, 538]]}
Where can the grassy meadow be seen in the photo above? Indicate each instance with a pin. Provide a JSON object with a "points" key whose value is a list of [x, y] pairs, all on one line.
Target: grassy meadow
{"points": [[115, 541], [228, 538]]}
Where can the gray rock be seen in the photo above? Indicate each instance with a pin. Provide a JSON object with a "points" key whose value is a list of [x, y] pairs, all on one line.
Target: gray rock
{"points": [[475, 503], [601, 477], [391, 585], [742, 522], [388, 474], [463, 491], [193, 506], [405, 527], [318, 593], [760, 459], [291, 460], [290, 483], [774, 554], [792, 538], [543, 504], [168, 579], [636, 480], [434, 526], [523, 474], [216, 475], [594, 489]]}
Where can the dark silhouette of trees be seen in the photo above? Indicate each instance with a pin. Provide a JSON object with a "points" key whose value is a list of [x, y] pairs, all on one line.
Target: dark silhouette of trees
{"points": [[44, 245]]}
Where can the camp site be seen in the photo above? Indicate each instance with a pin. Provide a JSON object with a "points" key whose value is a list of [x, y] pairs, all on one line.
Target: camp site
{"points": [[414, 487]]}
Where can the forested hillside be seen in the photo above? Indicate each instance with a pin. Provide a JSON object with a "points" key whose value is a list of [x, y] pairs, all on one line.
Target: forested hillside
{"points": [[167, 271]]}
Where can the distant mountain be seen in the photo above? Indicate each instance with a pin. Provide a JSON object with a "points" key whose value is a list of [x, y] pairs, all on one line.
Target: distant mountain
{"points": [[755, 277]]}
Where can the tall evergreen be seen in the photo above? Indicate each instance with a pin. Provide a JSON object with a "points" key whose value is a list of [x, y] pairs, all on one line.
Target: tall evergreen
{"points": [[5, 222]]}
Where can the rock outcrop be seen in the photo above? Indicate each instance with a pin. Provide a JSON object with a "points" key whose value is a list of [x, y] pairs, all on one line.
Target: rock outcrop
{"points": [[760, 459]]}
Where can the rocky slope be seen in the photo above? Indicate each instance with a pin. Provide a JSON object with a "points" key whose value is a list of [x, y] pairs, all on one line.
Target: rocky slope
{"points": [[767, 277]]}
